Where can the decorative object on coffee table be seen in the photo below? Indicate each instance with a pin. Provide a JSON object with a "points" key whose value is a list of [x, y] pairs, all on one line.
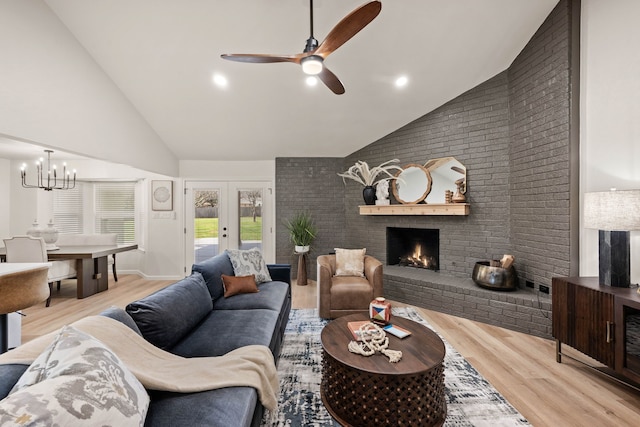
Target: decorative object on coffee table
{"points": [[380, 310], [408, 393], [302, 231], [373, 338], [361, 172]]}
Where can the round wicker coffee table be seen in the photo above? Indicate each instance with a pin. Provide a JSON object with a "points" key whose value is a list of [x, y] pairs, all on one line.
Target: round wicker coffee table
{"points": [[359, 391]]}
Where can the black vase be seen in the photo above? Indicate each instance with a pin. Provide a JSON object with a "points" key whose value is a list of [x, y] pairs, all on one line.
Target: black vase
{"points": [[369, 194]]}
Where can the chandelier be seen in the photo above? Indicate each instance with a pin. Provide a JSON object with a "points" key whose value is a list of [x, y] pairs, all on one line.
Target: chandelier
{"points": [[51, 180]]}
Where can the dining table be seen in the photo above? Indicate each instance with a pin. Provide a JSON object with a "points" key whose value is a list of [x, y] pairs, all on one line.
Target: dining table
{"points": [[91, 264]]}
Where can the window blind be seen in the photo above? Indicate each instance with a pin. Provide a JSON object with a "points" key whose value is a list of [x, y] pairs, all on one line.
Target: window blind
{"points": [[68, 209], [115, 209]]}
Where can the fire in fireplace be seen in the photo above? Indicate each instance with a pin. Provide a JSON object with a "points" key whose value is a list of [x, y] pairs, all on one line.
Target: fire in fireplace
{"points": [[413, 247]]}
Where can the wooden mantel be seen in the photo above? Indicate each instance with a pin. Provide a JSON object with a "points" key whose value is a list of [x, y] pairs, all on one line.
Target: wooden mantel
{"points": [[417, 209]]}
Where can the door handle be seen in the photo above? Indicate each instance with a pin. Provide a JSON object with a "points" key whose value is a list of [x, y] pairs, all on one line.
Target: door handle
{"points": [[609, 332]]}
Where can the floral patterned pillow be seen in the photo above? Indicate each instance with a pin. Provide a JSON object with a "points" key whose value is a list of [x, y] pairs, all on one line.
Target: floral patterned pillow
{"points": [[248, 262], [350, 262], [76, 381]]}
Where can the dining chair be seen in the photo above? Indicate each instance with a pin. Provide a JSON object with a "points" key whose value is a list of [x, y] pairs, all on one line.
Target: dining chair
{"points": [[34, 249]]}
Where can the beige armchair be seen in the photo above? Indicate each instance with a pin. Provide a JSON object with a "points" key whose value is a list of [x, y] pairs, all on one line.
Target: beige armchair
{"points": [[343, 295]]}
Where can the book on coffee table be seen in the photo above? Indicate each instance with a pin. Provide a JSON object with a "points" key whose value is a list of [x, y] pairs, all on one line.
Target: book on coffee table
{"points": [[354, 327], [397, 331]]}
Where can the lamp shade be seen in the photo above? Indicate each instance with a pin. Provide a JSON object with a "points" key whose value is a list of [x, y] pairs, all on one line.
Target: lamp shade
{"points": [[617, 210]]}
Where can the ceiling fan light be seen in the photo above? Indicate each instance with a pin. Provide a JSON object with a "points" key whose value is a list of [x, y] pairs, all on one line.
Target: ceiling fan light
{"points": [[311, 65]]}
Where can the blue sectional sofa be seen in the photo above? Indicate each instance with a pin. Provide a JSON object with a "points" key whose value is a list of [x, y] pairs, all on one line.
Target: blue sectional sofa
{"points": [[192, 318]]}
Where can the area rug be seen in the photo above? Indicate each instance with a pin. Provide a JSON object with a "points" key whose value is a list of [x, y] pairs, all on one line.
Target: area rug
{"points": [[471, 400]]}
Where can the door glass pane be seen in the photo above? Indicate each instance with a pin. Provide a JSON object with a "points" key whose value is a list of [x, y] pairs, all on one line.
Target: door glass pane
{"points": [[250, 220], [205, 227]]}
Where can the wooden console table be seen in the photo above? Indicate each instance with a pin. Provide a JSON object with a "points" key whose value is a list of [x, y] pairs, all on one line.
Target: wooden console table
{"points": [[592, 319]]}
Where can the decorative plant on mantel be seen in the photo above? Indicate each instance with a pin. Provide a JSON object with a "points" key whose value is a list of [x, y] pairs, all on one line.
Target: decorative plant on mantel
{"points": [[369, 177], [302, 231]]}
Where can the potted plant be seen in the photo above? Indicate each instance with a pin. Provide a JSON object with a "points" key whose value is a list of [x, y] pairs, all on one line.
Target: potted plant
{"points": [[363, 174], [302, 231]]}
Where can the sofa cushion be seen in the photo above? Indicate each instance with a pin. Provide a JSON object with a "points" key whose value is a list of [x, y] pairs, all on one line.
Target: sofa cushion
{"points": [[272, 296], [230, 406], [247, 262], [234, 285], [76, 381], [165, 316], [212, 270], [225, 330]]}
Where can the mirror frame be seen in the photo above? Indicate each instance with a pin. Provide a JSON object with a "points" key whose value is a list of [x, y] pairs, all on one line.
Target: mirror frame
{"points": [[433, 164], [394, 186]]}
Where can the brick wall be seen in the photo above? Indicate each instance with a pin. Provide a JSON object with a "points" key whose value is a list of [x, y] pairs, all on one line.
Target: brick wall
{"points": [[513, 133], [310, 184]]}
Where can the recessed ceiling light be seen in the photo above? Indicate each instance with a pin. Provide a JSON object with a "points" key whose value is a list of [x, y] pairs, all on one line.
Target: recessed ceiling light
{"points": [[402, 81], [220, 80], [312, 81]]}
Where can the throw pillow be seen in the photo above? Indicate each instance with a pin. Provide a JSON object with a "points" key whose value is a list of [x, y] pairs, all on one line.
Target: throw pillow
{"points": [[246, 262], [76, 381], [234, 285], [350, 262]]}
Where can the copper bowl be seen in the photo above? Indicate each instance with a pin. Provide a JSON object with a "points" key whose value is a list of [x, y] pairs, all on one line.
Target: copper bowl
{"points": [[496, 278]]}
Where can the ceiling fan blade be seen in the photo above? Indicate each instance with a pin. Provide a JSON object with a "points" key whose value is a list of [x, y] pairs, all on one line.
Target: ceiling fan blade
{"points": [[331, 81], [348, 27], [259, 58]]}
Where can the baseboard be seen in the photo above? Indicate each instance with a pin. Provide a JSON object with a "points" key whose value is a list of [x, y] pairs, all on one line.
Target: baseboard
{"points": [[148, 277]]}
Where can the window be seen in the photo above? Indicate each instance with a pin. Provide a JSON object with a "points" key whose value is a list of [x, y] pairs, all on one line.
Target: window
{"points": [[68, 209], [115, 210], [99, 207]]}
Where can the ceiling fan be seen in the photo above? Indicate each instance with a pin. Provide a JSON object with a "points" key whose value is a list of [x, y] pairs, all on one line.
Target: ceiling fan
{"points": [[314, 54]]}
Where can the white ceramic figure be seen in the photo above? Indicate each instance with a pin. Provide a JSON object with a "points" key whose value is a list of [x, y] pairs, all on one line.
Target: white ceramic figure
{"points": [[382, 193]]}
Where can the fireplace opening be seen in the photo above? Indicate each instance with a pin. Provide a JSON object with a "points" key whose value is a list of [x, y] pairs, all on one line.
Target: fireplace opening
{"points": [[413, 247]]}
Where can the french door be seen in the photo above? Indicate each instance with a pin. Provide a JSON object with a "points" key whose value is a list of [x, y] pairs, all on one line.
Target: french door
{"points": [[227, 215]]}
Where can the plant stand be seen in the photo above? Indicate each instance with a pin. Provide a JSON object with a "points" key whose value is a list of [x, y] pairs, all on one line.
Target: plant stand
{"points": [[301, 279]]}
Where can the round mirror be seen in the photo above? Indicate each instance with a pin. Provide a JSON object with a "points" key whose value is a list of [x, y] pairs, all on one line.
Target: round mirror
{"points": [[447, 174], [412, 184]]}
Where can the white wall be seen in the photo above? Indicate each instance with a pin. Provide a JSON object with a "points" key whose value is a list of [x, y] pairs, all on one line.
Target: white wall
{"points": [[161, 254], [5, 194], [610, 112], [54, 94]]}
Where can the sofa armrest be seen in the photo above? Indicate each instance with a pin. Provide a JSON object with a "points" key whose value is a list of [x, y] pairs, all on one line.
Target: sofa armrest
{"points": [[280, 272]]}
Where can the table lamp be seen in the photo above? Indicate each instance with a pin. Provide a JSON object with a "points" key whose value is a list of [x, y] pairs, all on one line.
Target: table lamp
{"points": [[19, 290], [613, 213]]}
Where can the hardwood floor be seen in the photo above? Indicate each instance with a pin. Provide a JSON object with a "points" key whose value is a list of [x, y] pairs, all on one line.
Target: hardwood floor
{"points": [[520, 366]]}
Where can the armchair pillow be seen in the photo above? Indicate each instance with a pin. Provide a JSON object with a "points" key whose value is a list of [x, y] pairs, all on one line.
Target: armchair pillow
{"points": [[247, 262], [350, 262], [234, 285], [76, 381]]}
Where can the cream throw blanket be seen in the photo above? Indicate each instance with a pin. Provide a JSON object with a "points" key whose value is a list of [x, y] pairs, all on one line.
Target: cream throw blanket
{"points": [[251, 366]]}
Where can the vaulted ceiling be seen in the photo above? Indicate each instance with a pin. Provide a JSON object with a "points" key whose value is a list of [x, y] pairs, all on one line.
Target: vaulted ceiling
{"points": [[163, 54]]}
